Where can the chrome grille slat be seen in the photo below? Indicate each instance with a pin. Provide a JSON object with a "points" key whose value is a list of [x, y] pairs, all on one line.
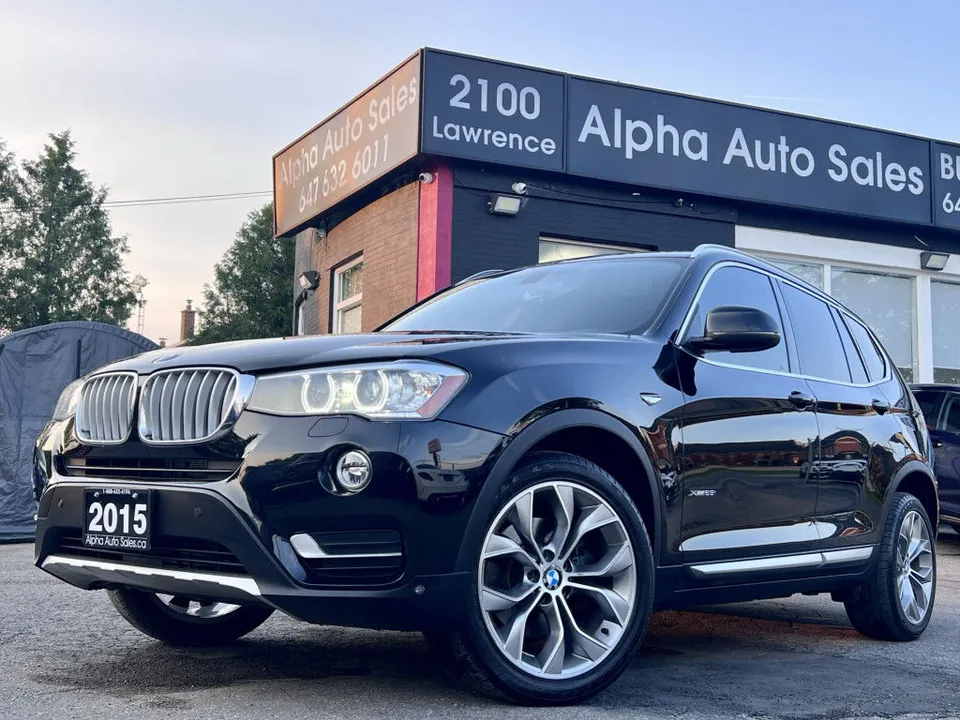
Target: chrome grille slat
{"points": [[190, 401], [216, 397], [176, 410], [203, 399], [113, 410], [190, 405], [104, 411]]}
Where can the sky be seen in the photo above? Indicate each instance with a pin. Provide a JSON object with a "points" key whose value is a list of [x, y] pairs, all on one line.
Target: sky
{"points": [[171, 98]]}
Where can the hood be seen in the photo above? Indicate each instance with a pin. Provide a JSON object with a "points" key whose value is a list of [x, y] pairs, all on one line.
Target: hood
{"points": [[253, 356]]}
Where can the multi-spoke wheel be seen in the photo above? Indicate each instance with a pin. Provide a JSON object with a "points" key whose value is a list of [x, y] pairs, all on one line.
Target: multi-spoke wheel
{"points": [[180, 620], [915, 561], [557, 579], [897, 602], [564, 581]]}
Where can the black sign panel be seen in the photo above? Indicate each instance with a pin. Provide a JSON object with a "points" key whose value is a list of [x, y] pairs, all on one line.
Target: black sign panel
{"points": [[615, 132], [487, 111], [946, 185]]}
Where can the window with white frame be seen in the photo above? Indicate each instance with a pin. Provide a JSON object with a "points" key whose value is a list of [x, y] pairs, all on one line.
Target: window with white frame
{"points": [[809, 272], [887, 303], [945, 305], [348, 297], [552, 249]]}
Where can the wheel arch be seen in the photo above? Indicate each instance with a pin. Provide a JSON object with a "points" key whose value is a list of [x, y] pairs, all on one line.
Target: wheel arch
{"points": [[598, 433], [917, 479]]}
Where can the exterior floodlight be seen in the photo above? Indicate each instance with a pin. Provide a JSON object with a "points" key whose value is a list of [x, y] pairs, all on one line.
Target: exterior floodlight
{"points": [[504, 204], [933, 260], [309, 280]]}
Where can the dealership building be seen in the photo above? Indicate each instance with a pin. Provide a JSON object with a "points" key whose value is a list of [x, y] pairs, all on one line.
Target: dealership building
{"points": [[451, 165]]}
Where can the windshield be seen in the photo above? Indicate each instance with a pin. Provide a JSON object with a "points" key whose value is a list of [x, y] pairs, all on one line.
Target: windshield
{"points": [[617, 295]]}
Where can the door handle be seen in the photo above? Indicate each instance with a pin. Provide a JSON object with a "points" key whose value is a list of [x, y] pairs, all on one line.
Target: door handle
{"points": [[938, 443], [802, 400], [881, 406]]}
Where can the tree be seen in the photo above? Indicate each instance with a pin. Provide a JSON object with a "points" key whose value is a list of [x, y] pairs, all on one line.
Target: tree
{"points": [[59, 259], [252, 293]]}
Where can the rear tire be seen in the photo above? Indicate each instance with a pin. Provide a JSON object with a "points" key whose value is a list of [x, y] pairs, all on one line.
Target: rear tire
{"points": [[152, 616], [542, 586], [896, 602]]}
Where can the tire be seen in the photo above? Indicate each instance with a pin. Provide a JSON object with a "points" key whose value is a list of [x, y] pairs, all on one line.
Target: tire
{"points": [[149, 614], [559, 594], [877, 610]]}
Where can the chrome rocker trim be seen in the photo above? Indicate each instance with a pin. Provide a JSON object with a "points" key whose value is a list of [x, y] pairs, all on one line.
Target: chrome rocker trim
{"points": [[784, 562], [88, 574]]}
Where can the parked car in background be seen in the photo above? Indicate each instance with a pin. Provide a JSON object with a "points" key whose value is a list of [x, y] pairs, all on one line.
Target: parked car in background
{"points": [[523, 467], [941, 408]]}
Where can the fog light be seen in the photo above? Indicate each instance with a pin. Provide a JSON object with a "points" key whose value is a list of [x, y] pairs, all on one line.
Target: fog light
{"points": [[354, 471]]}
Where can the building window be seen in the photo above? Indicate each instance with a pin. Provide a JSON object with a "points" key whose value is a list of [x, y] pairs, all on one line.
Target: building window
{"points": [[809, 272], [887, 304], [348, 297], [945, 302], [552, 249]]}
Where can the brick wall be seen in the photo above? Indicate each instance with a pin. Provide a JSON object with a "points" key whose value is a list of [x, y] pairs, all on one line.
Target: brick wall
{"points": [[385, 233]]}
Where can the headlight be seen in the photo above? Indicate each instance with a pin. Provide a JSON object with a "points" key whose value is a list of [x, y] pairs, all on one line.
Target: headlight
{"points": [[414, 390], [67, 404]]}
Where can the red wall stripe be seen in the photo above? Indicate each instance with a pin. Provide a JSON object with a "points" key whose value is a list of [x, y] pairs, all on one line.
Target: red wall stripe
{"points": [[435, 231]]}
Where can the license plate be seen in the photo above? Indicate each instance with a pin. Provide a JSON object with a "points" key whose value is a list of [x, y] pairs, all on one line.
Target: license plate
{"points": [[116, 519]]}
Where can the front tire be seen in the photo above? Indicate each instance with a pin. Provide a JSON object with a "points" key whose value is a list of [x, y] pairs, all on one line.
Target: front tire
{"points": [[182, 621], [896, 603], [562, 590]]}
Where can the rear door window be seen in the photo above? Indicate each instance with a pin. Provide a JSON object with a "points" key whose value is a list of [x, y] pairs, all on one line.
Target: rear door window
{"points": [[818, 342], [872, 357]]}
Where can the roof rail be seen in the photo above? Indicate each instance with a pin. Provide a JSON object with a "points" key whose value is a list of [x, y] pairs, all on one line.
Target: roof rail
{"points": [[477, 276], [705, 247]]}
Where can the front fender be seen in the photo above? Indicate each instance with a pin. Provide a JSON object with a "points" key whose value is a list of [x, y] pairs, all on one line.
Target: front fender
{"points": [[527, 437]]}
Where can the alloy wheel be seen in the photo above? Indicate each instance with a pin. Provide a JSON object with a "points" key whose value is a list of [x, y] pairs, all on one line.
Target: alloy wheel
{"points": [[915, 567], [557, 580]]}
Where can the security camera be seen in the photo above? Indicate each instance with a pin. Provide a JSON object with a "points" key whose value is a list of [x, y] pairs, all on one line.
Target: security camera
{"points": [[519, 188], [426, 177]]}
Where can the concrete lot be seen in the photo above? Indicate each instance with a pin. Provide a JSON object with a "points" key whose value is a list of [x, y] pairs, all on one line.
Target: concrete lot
{"points": [[65, 654]]}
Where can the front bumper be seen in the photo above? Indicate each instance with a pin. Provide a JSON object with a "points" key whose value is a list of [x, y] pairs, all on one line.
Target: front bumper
{"points": [[231, 539]]}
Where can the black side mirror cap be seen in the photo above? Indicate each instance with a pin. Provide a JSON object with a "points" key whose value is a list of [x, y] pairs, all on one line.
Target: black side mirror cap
{"points": [[737, 330]]}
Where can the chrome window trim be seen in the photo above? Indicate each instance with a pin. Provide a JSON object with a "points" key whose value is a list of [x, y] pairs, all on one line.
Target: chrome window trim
{"points": [[241, 396], [134, 397], [688, 318]]}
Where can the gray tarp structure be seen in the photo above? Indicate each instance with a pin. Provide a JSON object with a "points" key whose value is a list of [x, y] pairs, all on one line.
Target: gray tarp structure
{"points": [[35, 366]]}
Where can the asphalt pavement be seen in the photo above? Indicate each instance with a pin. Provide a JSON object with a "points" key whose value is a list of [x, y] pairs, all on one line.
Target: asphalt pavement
{"points": [[64, 653]]}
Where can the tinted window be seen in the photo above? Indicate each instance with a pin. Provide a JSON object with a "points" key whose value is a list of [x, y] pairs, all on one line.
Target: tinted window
{"points": [[617, 295], [730, 285], [818, 342], [929, 403], [951, 423], [868, 349], [857, 370]]}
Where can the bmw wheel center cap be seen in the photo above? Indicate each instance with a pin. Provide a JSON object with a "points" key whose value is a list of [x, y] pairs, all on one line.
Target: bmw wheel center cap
{"points": [[552, 578]]}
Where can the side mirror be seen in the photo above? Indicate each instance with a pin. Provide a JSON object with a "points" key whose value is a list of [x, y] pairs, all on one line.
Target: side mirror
{"points": [[736, 330]]}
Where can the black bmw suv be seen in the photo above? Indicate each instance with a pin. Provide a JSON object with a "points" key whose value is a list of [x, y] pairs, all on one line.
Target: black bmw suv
{"points": [[523, 467]]}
